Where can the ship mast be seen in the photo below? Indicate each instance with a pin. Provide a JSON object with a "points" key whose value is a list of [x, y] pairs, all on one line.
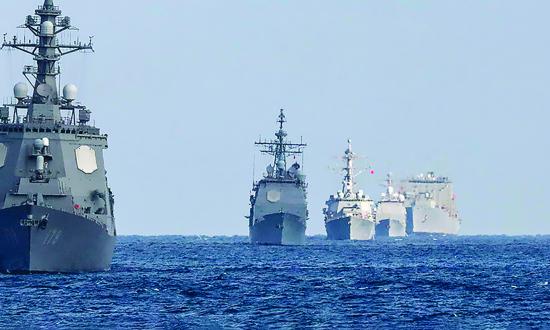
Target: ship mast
{"points": [[280, 155], [280, 148], [347, 183], [389, 186], [45, 26]]}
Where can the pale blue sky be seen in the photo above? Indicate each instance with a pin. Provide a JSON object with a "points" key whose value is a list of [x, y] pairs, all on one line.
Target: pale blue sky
{"points": [[183, 88]]}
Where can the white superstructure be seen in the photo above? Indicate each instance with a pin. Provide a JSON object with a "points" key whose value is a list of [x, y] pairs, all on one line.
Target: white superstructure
{"points": [[349, 214], [430, 203], [391, 214]]}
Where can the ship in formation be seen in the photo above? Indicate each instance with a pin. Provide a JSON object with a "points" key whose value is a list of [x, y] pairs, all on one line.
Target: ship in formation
{"points": [[349, 214], [430, 204], [391, 214], [422, 205], [56, 208], [278, 202]]}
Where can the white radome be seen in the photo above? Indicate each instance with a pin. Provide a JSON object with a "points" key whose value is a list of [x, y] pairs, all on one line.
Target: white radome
{"points": [[20, 90], [46, 28], [38, 144], [70, 92]]}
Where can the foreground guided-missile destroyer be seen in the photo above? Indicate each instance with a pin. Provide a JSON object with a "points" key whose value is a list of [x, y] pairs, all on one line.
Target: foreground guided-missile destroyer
{"points": [[278, 206], [349, 215], [56, 209], [430, 204], [391, 214]]}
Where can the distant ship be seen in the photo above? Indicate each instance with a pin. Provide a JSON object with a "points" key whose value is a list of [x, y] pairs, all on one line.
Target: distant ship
{"points": [[391, 215], [278, 203], [56, 208], [349, 214], [430, 204]]}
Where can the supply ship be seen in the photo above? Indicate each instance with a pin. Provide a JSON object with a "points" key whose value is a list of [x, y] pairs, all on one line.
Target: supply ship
{"points": [[430, 204], [278, 203], [56, 208], [349, 214]]}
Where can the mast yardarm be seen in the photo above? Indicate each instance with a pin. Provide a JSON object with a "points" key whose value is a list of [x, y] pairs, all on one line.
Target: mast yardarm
{"points": [[280, 148], [45, 25], [347, 183]]}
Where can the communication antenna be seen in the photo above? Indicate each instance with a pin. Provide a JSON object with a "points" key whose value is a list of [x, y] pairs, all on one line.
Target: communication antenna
{"points": [[253, 168], [302, 142], [46, 26], [280, 148], [59, 80]]}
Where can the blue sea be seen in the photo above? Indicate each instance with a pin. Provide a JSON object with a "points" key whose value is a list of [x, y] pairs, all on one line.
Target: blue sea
{"points": [[223, 282]]}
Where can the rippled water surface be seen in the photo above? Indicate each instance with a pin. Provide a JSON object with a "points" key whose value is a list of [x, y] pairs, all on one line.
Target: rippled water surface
{"points": [[461, 282]]}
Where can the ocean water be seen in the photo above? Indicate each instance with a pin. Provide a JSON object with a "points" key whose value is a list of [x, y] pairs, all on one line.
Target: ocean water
{"points": [[222, 282]]}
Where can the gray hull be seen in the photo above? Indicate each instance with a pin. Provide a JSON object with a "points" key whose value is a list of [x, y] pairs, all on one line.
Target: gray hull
{"points": [[350, 228], [390, 228], [430, 221], [55, 242], [279, 229]]}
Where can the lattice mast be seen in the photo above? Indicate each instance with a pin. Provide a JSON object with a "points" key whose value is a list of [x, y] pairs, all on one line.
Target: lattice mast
{"points": [[280, 148], [348, 183]]}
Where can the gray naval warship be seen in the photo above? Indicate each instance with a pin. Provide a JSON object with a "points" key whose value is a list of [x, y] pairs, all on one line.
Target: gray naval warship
{"points": [[431, 206], [56, 209], [391, 215], [278, 204], [349, 215]]}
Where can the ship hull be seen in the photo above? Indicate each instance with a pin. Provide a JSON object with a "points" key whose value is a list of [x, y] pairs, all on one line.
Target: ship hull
{"points": [[430, 221], [279, 229], [350, 228], [57, 242], [390, 228]]}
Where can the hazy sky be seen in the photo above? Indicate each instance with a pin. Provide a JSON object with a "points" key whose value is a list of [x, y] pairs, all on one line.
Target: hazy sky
{"points": [[183, 88]]}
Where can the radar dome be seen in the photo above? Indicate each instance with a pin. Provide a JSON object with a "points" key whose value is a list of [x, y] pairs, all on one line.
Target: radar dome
{"points": [[38, 144], [20, 91], [69, 92], [46, 28], [281, 164]]}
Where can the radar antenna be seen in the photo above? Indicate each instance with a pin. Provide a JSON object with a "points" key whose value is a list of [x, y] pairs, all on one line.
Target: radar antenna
{"points": [[280, 148], [45, 25], [281, 120], [347, 183]]}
